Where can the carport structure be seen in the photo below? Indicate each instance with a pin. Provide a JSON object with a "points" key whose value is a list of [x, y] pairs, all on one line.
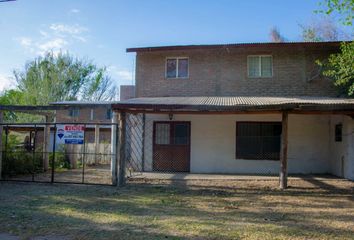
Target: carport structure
{"points": [[236, 135]]}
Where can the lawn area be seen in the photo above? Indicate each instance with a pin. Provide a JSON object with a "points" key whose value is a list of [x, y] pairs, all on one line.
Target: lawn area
{"points": [[310, 209]]}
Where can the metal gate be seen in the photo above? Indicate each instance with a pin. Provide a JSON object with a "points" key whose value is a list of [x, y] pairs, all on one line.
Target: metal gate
{"points": [[31, 152]]}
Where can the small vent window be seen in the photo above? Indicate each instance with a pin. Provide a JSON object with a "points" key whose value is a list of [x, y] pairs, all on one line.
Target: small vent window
{"points": [[338, 132]]}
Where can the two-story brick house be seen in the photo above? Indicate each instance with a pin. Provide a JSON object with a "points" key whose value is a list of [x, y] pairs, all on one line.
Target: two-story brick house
{"points": [[240, 108]]}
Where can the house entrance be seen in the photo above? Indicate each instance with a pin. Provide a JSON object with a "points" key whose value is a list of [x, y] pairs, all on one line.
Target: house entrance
{"points": [[171, 148]]}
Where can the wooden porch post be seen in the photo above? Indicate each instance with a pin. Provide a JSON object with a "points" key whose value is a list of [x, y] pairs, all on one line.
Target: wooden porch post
{"points": [[46, 144], [122, 144], [1, 128], [97, 143], [283, 176], [114, 148]]}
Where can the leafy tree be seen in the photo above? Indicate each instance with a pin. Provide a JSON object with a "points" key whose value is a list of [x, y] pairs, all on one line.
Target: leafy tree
{"points": [[345, 8], [340, 67], [321, 29], [11, 96], [8, 97], [62, 77]]}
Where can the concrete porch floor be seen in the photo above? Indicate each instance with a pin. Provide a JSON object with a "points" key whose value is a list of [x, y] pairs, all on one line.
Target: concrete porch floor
{"points": [[205, 176]]}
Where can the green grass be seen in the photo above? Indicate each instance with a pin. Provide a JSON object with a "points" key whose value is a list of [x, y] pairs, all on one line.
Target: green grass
{"points": [[197, 210]]}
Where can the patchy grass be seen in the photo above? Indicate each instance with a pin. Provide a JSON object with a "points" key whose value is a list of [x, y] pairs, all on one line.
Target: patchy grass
{"points": [[310, 209]]}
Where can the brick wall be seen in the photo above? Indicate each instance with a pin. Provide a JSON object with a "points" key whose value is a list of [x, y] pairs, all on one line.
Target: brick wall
{"points": [[126, 92], [223, 72], [99, 115]]}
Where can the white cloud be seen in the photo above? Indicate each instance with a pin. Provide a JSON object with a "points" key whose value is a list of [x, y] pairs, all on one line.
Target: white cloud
{"points": [[54, 38], [5, 82], [52, 45], [70, 29], [120, 74], [125, 75], [25, 41], [74, 10], [80, 38], [43, 33]]}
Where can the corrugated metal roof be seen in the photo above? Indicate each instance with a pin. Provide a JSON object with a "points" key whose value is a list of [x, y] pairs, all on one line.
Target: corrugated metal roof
{"points": [[234, 103], [234, 45], [83, 103]]}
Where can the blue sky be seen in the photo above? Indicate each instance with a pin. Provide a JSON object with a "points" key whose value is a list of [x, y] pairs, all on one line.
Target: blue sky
{"points": [[102, 30]]}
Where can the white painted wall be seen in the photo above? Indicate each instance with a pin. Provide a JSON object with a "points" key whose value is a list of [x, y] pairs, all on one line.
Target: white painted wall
{"points": [[213, 144], [342, 153], [308, 149]]}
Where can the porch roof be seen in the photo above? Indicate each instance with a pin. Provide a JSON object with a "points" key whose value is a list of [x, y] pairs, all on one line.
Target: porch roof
{"points": [[235, 104]]}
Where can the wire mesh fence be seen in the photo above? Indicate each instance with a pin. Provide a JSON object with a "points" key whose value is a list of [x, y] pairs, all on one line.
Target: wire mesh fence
{"points": [[36, 152]]}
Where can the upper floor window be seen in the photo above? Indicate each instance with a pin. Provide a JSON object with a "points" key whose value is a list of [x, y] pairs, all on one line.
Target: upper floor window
{"points": [[91, 114], [74, 112], [177, 67], [260, 66], [109, 114]]}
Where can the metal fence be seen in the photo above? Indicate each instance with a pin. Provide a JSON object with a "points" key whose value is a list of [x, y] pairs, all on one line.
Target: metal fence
{"points": [[31, 152]]}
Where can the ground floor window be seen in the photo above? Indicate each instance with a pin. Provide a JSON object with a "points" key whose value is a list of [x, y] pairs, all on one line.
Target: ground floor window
{"points": [[258, 140]]}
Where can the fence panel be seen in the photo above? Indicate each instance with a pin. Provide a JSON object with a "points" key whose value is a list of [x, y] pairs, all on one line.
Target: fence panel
{"points": [[27, 157]]}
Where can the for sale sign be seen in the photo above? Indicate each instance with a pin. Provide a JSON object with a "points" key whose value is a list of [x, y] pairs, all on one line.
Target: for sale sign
{"points": [[70, 134]]}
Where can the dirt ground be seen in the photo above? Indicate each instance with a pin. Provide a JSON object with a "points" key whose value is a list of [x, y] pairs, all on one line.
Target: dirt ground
{"points": [[312, 208]]}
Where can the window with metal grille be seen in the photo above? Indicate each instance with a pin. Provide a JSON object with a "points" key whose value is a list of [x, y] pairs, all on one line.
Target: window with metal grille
{"points": [[258, 140], [181, 134], [162, 135]]}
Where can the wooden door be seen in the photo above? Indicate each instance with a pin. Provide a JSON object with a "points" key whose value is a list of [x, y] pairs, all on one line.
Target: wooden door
{"points": [[171, 148]]}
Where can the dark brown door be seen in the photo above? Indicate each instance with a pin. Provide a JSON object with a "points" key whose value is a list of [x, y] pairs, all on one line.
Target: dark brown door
{"points": [[171, 146]]}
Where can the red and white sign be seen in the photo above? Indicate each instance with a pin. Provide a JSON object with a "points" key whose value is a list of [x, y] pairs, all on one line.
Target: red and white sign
{"points": [[70, 134]]}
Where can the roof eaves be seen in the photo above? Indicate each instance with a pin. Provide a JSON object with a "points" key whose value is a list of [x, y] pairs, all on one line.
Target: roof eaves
{"points": [[234, 45]]}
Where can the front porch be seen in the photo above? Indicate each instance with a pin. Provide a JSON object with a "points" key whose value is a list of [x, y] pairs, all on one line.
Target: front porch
{"points": [[290, 137]]}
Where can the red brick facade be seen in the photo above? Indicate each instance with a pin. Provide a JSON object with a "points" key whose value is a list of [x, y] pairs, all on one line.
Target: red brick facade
{"points": [[99, 115], [126, 92], [223, 72]]}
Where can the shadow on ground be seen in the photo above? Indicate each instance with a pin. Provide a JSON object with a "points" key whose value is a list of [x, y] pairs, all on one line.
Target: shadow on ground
{"points": [[180, 210]]}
